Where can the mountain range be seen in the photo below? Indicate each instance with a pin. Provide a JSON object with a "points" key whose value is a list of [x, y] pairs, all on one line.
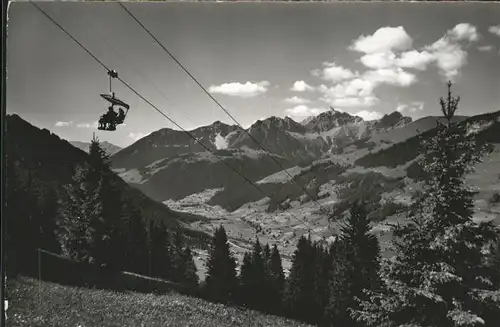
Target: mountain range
{"points": [[168, 164], [311, 167], [335, 157]]}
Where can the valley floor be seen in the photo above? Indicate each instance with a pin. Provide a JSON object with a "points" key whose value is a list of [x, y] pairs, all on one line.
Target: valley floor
{"points": [[48, 304]]}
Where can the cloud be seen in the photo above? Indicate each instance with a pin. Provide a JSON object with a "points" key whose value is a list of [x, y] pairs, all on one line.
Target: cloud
{"points": [[412, 107], [303, 111], [136, 136], [297, 100], [383, 40], [301, 86], [485, 48], [88, 125], [415, 59], [355, 102], [449, 56], [448, 52], [393, 76], [464, 31], [356, 92], [246, 90], [63, 124], [335, 73], [494, 30], [369, 115], [379, 60]]}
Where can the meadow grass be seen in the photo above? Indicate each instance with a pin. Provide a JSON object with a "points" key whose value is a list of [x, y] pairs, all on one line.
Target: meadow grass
{"points": [[33, 303]]}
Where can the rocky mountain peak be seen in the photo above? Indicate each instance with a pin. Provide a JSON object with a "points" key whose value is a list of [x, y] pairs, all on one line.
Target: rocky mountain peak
{"points": [[330, 119], [394, 119]]}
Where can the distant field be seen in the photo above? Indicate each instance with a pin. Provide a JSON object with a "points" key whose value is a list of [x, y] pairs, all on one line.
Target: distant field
{"points": [[63, 306]]}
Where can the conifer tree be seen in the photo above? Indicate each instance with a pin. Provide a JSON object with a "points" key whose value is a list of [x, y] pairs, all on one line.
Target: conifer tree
{"points": [[438, 276], [245, 280], [258, 281], [221, 282], [75, 229], [299, 295], [356, 266], [109, 238], [190, 276], [277, 278], [321, 282]]}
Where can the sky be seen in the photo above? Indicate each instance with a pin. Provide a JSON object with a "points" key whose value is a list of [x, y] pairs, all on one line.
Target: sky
{"points": [[257, 59]]}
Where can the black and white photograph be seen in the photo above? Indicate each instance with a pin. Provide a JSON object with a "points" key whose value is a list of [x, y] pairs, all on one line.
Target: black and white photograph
{"points": [[273, 164]]}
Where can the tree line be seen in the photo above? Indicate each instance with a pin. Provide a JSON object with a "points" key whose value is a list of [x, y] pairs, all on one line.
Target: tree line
{"points": [[444, 271], [88, 221]]}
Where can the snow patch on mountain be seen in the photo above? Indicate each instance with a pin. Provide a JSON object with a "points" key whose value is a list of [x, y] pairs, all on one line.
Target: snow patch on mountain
{"points": [[221, 143]]}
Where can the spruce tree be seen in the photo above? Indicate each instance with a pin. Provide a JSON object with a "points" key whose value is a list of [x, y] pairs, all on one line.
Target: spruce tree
{"points": [[277, 277], [75, 228], [356, 266], [109, 235], [245, 281], [299, 295], [438, 276], [221, 282], [258, 281], [190, 276]]}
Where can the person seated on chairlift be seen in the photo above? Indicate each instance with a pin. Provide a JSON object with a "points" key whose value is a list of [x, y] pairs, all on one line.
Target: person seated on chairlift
{"points": [[121, 116], [111, 116]]}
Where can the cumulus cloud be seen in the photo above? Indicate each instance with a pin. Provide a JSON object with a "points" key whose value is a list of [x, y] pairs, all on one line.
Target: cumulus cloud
{"points": [[393, 76], [335, 73], [303, 111], [301, 86], [297, 100], [385, 52], [246, 90], [494, 30], [412, 107], [383, 40], [369, 115], [63, 124], [356, 92], [88, 125], [415, 59], [485, 48], [448, 53], [464, 31], [450, 57], [379, 60]]}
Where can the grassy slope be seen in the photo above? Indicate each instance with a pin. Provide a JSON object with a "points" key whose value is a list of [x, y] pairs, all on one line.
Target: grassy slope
{"points": [[47, 304]]}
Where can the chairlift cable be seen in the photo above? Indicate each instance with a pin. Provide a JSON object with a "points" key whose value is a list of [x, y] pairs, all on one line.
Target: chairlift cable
{"points": [[326, 212], [166, 116]]}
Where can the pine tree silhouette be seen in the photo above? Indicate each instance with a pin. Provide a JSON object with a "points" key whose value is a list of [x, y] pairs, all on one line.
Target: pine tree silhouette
{"points": [[277, 277], [356, 268], [299, 294], [221, 283]]}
